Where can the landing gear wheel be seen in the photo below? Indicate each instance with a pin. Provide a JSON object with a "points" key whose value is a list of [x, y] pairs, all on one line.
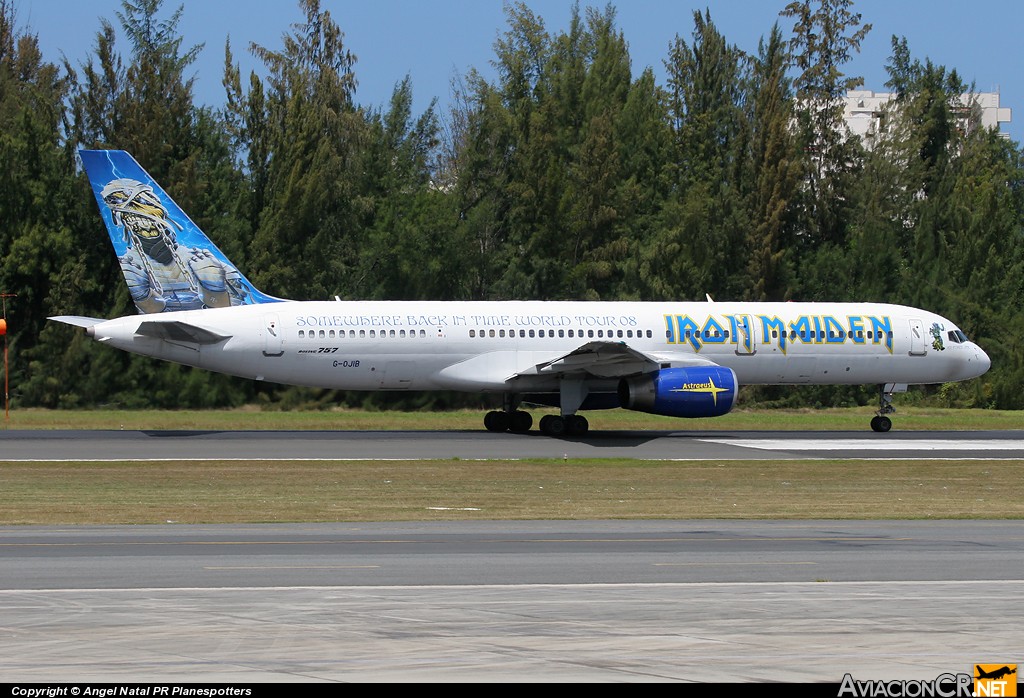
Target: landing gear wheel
{"points": [[552, 425], [496, 421], [520, 422], [576, 425], [881, 424]]}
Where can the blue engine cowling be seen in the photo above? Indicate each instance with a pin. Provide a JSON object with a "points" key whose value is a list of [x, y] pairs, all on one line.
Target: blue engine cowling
{"points": [[703, 391]]}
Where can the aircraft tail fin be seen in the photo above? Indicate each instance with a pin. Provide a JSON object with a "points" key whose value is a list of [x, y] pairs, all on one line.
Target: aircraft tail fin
{"points": [[167, 261]]}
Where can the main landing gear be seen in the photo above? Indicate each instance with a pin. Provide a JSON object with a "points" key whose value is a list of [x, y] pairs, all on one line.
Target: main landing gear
{"points": [[515, 420], [881, 422], [569, 425], [519, 422]]}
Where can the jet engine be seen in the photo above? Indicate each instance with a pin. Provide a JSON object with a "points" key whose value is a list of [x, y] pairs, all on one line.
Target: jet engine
{"points": [[699, 391]]}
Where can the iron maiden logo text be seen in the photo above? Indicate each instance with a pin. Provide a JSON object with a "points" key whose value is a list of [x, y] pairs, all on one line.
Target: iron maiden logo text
{"points": [[942, 686]]}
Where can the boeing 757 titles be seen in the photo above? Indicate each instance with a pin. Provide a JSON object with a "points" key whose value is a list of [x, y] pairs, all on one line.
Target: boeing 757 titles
{"points": [[681, 359]]}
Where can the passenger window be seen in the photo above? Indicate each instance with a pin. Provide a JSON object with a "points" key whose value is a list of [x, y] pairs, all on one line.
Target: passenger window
{"points": [[491, 333]]}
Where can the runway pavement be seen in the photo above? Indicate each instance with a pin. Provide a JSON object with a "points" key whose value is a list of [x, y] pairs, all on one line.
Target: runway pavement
{"points": [[617, 601], [406, 445]]}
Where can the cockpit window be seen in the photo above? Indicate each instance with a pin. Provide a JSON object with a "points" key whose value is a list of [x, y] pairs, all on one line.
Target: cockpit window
{"points": [[958, 337]]}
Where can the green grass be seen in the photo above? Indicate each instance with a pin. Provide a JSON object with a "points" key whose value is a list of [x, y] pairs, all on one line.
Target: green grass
{"points": [[842, 419], [289, 491]]}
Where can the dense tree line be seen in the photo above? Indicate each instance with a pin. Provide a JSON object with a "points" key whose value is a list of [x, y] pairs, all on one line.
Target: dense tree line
{"points": [[566, 176]]}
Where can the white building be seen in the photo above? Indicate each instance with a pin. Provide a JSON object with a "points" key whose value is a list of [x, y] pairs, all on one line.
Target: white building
{"points": [[865, 110]]}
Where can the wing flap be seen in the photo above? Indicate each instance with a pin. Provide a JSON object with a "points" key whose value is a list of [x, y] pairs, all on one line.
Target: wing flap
{"points": [[609, 360]]}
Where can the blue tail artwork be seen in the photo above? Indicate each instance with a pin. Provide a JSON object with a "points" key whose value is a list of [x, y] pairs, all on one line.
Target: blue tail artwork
{"points": [[167, 261]]}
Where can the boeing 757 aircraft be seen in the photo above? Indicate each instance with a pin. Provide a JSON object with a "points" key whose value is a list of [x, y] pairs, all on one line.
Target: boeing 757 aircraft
{"points": [[681, 359]]}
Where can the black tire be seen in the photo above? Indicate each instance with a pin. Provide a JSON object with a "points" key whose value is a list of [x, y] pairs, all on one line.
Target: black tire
{"points": [[552, 425], [520, 422], [576, 425], [496, 421], [881, 424]]}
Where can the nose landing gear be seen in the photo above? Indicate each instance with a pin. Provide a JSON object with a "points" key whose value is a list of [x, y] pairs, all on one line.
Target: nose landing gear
{"points": [[881, 422]]}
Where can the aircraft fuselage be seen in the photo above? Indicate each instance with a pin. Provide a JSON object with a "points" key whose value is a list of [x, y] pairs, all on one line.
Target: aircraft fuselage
{"points": [[503, 346]]}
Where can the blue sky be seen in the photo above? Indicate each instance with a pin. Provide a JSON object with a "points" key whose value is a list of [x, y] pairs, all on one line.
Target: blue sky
{"points": [[434, 41]]}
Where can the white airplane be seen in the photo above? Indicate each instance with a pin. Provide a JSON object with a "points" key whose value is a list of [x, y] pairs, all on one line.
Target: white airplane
{"points": [[681, 359]]}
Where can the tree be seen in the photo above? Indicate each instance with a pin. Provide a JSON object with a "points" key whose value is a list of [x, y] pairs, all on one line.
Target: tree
{"points": [[701, 247], [774, 175], [301, 129], [826, 34], [44, 258]]}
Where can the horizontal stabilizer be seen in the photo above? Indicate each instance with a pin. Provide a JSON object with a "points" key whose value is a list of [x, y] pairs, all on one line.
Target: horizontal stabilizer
{"points": [[77, 320], [177, 331]]}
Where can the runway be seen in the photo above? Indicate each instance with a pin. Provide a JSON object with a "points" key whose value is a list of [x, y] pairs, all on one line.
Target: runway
{"points": [[622, 601], [32, 445]]}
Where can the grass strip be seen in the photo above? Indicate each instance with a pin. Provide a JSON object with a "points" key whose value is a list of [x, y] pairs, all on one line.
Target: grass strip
{"points": [[290, 491]]}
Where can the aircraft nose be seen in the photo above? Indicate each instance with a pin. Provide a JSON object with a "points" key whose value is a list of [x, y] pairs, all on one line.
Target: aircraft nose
{"points": [[980, 363]]}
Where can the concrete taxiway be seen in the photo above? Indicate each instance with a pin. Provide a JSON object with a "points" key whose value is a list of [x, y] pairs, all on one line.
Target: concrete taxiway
{"points": [[623, 601], [406, 445]]}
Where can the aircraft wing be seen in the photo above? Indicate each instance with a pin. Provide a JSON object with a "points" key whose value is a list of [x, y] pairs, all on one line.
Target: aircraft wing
{"points": [[611, 360]]}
